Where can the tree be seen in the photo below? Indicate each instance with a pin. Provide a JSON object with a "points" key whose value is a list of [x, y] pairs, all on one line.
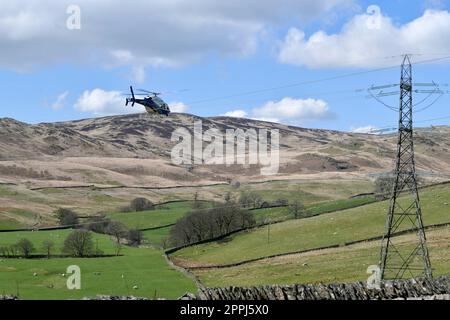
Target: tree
{"points": [[66, 217], [196, 204], [118, 231], [79, 243], [98, 224], [227, 197], [245, 200], [250, 200], [383, 186], [26, 247], [203, 225], [134, 237], [9, 251], [297, 209], [47, 246], [141, 204]]}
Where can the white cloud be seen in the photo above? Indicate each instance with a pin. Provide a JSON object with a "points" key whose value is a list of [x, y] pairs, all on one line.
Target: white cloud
{"points": [[287, 110], [366, 129], [293, 110], [145, 33], [236, 114], [60, 101], [179, 107], [102, 103], [365, 39]]}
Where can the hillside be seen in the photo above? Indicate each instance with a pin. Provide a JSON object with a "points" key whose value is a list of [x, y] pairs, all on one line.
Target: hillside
{"points": [[301, 251], [135, 150]]}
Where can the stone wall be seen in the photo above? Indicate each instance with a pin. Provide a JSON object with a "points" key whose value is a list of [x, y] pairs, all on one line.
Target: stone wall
{"points": [[438, 288]]}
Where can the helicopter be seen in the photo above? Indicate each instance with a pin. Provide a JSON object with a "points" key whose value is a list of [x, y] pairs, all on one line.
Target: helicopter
{"points": [[151, 101]]}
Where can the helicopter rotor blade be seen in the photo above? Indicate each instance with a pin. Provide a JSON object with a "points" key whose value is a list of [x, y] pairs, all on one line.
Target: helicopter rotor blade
{"points": [[150, 92]]}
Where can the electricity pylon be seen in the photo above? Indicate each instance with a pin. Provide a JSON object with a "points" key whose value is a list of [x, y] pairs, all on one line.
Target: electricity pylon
{"points": [[405, 260]]}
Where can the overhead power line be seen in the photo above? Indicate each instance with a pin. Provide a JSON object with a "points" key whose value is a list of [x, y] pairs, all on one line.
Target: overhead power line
{"points": [[308, 82]]}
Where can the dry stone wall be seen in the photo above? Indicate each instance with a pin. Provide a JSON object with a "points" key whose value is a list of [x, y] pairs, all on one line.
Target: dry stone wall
{"points": [[438, 288]]}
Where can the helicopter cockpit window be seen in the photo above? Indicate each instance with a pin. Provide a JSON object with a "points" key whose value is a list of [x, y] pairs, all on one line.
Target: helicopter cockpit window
{"points": [[158, 101]]}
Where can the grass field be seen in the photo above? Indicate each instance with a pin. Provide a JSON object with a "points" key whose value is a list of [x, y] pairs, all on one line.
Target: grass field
{"points": [[156, 237], [15, 200], [145, 268], [346, 264], [161, 216], [323, 230], [9, 224], [173, 211], [308, 192]]}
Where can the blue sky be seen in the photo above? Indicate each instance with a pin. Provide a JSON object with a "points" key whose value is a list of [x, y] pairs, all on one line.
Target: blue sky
{"points": [[220, 53]]}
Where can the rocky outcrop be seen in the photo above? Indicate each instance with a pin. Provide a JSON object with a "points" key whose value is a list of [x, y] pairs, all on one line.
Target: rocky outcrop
{"points": [[438, 288]]}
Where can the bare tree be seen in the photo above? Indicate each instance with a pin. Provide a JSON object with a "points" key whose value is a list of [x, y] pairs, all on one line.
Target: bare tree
{"points": [[66, 217], [196, 204], [134, 237], [227, 197], [383, 186], [297, 209], [141, 204], [47, 246], [245, 200], [118, 231], [26, 247], [208, 224], [79, 243], [250, 200]]}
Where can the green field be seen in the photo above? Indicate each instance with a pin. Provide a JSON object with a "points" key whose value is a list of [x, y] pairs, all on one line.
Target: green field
{"points": [[145, 268], [341, 265], [173, 211], [323, 230], [58, 236], [156, 237], [161, 216], [308, 192]]}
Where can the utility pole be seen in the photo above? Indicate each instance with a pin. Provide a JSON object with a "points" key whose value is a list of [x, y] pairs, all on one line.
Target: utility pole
{"points": [[404, 260]]}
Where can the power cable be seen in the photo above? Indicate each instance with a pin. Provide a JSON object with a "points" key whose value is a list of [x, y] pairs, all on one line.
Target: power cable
{"points": [[307, 82]]}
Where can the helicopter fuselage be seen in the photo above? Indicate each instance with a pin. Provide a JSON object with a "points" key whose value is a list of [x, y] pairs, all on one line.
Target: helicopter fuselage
{"points": [[153, 105]]}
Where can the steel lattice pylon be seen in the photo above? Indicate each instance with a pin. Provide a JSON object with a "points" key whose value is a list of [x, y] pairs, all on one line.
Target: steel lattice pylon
{"points": [[404, 260]]}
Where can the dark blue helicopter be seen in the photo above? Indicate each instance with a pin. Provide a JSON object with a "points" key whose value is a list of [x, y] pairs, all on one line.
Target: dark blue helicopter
{"points": [[152, 102]]}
